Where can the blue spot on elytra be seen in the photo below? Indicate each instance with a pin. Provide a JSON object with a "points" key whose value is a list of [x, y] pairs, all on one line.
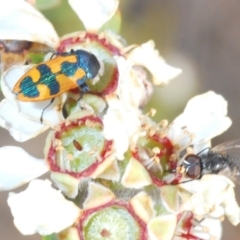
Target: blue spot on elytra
{"points": [[29, 87], [68, 68], [48, 78]]}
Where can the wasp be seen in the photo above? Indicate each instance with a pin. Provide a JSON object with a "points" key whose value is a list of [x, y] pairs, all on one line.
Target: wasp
{"points": [[223, 159], [47, 80]]}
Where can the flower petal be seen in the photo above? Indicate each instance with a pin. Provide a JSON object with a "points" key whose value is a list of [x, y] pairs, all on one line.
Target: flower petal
{"points": [[204, 117], [30, 110], [17, 167], [97, 195], [33, 27], [94, 13], [231, 207], [120, 125], [42, 209], [162, 227], [134, 90], [209, 228], [135, 176], [143, 206], [108, 169], [146, 56], [209, 102], [21, 128], [66, 183], [208, 194], [170, 199]]}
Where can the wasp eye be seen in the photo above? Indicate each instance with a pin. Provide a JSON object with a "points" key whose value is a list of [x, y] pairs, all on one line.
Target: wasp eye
{"points": [[192, 165]]}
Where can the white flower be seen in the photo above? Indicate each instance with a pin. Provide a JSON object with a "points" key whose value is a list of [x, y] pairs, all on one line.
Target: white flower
{"points": [[94, 13], [162, 227], [20, 118], [42, 209], [209, 195], [133, 87], [33, 27], [27, 114], [203, 118], [208, 228], [147, 56], [120, 124], [17, 167]]}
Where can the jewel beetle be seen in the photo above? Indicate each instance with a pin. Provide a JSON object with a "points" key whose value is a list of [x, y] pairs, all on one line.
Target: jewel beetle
{"points": [[47, 80]]}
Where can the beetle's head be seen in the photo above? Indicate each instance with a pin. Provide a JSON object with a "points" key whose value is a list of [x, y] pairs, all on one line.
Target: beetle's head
{"points": [[88, 62]]}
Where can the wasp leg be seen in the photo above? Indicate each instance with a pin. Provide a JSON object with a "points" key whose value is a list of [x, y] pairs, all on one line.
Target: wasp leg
{"points": [[41, 118]]}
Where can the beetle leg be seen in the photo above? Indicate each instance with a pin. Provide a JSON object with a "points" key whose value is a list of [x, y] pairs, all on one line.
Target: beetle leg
{"points": [[55, 54], [41, 118], [83, 89]]}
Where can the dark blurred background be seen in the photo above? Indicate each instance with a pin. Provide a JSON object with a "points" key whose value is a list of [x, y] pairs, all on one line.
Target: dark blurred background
{"points": [[201, 37]]}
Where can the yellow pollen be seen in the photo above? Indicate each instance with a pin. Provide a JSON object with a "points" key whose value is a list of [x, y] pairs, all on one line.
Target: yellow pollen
{"points": [[176, 147], [58, 107], [80, 123], [81, 35], [162, 134], [67, 122], [57, 128], [163, 123], [101, 35], [192, 135], [156, 160], [173, 157], [180, 169], [187, 133], [151, 132], [221, 218], [132, 147], [145, 126], [59, 148], [91, 152], [212, 238], [58, 145], [189, 150], [90, 123], [69, 157], [57, 142], [205, 229], [156, 150], [152, 112], [164, 151]]}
